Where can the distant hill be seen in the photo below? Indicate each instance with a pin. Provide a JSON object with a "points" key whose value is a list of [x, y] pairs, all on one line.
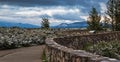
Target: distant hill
{"points": [[62, 25], [20, 25], [72, 25]]}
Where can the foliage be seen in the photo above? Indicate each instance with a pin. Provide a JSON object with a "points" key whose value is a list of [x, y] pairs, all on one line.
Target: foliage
{"points": [[15, 37], [113, 11], [94, 20], [11, 44], [108, 49], [44, 58], [45, 23], [26, 43], [41, 41], [106, 23]]}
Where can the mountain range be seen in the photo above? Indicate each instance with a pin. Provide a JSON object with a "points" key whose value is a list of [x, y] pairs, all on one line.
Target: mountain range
{"points": [[72, 25], [62, 25], [20, 25]]}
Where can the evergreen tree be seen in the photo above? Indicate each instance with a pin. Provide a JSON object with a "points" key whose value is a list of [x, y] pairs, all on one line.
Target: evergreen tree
{"points": [[45, 23], [106, 23], [94, 20], [113, 11]]}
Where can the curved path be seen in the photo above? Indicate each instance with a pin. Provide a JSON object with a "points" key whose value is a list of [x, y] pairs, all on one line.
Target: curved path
{"points": [[28, 54]]}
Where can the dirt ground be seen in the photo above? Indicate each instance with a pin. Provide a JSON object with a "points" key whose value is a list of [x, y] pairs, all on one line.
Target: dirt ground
{"points": [[27, 54]]}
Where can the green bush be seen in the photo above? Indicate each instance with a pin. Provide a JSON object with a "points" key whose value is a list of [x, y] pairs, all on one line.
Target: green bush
{"points": [[108, 49], [11, 44], [26, 43], [8, 45]]}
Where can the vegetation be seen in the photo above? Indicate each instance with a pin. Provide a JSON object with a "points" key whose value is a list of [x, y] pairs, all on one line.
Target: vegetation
{"points": [[14, 37], [45, 23], [7, 44], [94, 20], [107, 49], [44, 58], [113, 11], [106, 23]]}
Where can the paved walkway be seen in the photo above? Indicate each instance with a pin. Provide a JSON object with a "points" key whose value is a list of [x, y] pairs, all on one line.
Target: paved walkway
{"points": [[28, 54]]}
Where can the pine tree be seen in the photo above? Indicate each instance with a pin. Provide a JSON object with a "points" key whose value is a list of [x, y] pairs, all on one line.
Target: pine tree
{"points": [[45, 23], [94, 20], [113, 11], [106, 23]]}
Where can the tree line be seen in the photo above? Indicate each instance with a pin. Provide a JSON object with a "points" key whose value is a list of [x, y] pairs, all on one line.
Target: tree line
{"points": [[113, 11]]}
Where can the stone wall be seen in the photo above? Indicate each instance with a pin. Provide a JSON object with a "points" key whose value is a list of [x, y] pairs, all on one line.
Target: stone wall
{"points": [[77, 42], [72, 32], [65, 49]]}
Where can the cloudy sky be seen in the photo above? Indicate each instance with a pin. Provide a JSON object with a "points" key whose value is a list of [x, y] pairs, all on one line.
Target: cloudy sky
{"points": [[58, 11]]}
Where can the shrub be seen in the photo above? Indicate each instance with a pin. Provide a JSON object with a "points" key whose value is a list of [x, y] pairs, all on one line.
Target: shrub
{"points": [[26, 43], [108, 49], [42, 40], [8, 44], [15, 37], [16, 43]]}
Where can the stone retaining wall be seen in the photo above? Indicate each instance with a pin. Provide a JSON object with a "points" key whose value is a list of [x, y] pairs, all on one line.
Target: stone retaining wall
{"points": [[72, 32], [77, 42], [65, 49]]}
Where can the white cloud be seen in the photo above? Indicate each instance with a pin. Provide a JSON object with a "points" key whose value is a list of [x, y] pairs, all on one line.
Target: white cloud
{"points": [[41, 11], [57, 22], [56, 14], [84, 17], [28, 13], [32, 15], [5, 6], [103, 8]]}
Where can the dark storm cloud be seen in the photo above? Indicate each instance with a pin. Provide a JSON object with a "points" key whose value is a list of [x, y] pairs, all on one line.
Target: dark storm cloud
{"points": [[57, 10], [85, 3], [68, 16], [39, 2]]}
